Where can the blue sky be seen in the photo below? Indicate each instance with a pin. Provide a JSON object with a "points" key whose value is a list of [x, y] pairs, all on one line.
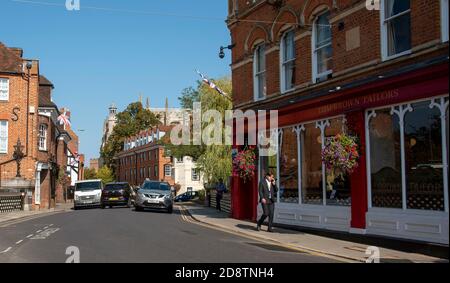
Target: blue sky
{"points": [[99, 56]]}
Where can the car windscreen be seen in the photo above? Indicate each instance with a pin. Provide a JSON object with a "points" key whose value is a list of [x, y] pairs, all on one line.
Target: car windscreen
{"points": [[88, 186], [115, 187], [156, 186]]}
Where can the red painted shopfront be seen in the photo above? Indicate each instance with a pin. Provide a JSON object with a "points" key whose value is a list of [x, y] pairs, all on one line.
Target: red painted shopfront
{"points": [[353, 103]]}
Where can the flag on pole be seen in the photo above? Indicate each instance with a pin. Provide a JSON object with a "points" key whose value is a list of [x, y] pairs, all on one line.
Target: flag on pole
{"points": [[64, 120], [211, 84]]}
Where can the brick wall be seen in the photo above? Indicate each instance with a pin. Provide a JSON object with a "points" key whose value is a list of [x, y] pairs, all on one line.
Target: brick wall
{"points": [[356, 41], [17, 129]]}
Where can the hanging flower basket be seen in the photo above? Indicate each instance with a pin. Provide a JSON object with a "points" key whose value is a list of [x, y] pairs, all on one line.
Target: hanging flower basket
{"points": [[244, 164], [340, 154]]}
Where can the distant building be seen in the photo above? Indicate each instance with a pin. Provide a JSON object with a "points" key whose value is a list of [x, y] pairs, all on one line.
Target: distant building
{"points": [[94, 164], [144, 158], [109, 124], [168, 116]]}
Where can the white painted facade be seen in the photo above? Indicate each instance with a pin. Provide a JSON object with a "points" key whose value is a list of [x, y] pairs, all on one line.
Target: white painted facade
{"points": [[185, 175]]}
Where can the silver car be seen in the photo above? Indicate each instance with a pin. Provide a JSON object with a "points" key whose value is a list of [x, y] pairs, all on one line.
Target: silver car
{"points": [[154, 195]]}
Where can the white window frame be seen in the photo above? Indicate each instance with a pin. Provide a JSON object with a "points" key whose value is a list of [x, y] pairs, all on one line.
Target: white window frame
{"points": [[167, 171], [384, 33], [400, 110], [4, 124], [284, 62], [4, 87], [43, 132], [195, 176], [315, 73], [444, 20], [257, 75]]}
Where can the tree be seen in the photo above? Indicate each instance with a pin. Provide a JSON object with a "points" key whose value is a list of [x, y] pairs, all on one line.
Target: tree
{"points": [[214, 161], [89, 174], [131, 121], [106, 175], [189, 96]]}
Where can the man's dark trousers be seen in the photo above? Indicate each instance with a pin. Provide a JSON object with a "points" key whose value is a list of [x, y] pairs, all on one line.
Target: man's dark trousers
{"points": [[268, 211]]}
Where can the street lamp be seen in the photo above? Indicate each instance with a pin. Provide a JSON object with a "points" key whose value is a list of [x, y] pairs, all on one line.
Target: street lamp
{"points": [[222, 48], [18, 156]]}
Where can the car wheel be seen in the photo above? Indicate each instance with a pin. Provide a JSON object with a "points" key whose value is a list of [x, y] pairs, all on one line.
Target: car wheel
{"points": [[75, 208], [138, 208], [110, 206], [170, 210], [102, 207]]}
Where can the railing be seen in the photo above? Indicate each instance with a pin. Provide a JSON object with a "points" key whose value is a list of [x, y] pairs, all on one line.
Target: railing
{"points": [[225, 203], [10, 203]]}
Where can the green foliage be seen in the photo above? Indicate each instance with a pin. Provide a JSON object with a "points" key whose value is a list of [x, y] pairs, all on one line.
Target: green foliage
{"points": [[106, 175], [213, 161], [130, 122], [189, 96], [90, 174]]}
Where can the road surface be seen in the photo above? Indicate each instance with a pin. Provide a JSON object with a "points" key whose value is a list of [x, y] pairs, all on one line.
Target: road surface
{"points": [[125, 236]]}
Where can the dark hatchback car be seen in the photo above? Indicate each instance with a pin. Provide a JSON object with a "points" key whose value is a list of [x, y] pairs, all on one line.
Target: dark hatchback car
{"points": [[116, 194], [185, 197]]}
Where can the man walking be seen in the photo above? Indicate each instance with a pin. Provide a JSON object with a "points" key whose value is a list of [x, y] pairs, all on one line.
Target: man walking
{"points": [[267, 192]]}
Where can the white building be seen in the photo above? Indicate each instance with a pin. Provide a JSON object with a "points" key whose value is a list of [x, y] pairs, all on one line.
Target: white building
{"points": [[186, 175]]}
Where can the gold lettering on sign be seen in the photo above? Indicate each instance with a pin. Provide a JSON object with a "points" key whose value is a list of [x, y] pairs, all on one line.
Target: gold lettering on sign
{"points": [[385, 96]]}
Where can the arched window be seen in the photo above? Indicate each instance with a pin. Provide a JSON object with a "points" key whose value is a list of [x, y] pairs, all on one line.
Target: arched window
{"points": [[259, 72], [444, 20], [395, 28], [322, 47], [287, 59]]}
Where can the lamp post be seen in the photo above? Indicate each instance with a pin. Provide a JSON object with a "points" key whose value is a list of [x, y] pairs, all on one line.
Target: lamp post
{"points": [[18, 155], [222, 48]]}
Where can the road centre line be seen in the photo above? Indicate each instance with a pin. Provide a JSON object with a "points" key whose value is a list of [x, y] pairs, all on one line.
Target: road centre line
{"points": [[5, 251]]}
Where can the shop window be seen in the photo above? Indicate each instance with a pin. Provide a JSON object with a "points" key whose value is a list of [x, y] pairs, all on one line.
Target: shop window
{"points": [[337, 184], [385, 162], [423, 158], [259, 72], [311, 145], [416, 175], [322, 48], [395, 28], [287, 57], [289, 190]]}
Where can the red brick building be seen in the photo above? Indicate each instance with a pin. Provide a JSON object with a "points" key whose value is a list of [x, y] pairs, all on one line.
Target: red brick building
{"points": [[340, 66], [144, 158], [28, 114]]}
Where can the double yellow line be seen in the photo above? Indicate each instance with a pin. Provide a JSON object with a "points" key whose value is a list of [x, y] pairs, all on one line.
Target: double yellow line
{"points": [[186, 216]]}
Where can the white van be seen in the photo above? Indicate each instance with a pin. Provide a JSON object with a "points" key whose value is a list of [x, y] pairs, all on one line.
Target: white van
{"points": [[88, 193]]}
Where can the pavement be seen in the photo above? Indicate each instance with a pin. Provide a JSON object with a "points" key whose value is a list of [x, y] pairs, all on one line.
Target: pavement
{"points": [[348, 251], [122, 235]]}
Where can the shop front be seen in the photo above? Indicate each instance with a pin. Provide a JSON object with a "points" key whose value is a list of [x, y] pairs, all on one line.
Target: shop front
{"points": [[400, 187]]}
